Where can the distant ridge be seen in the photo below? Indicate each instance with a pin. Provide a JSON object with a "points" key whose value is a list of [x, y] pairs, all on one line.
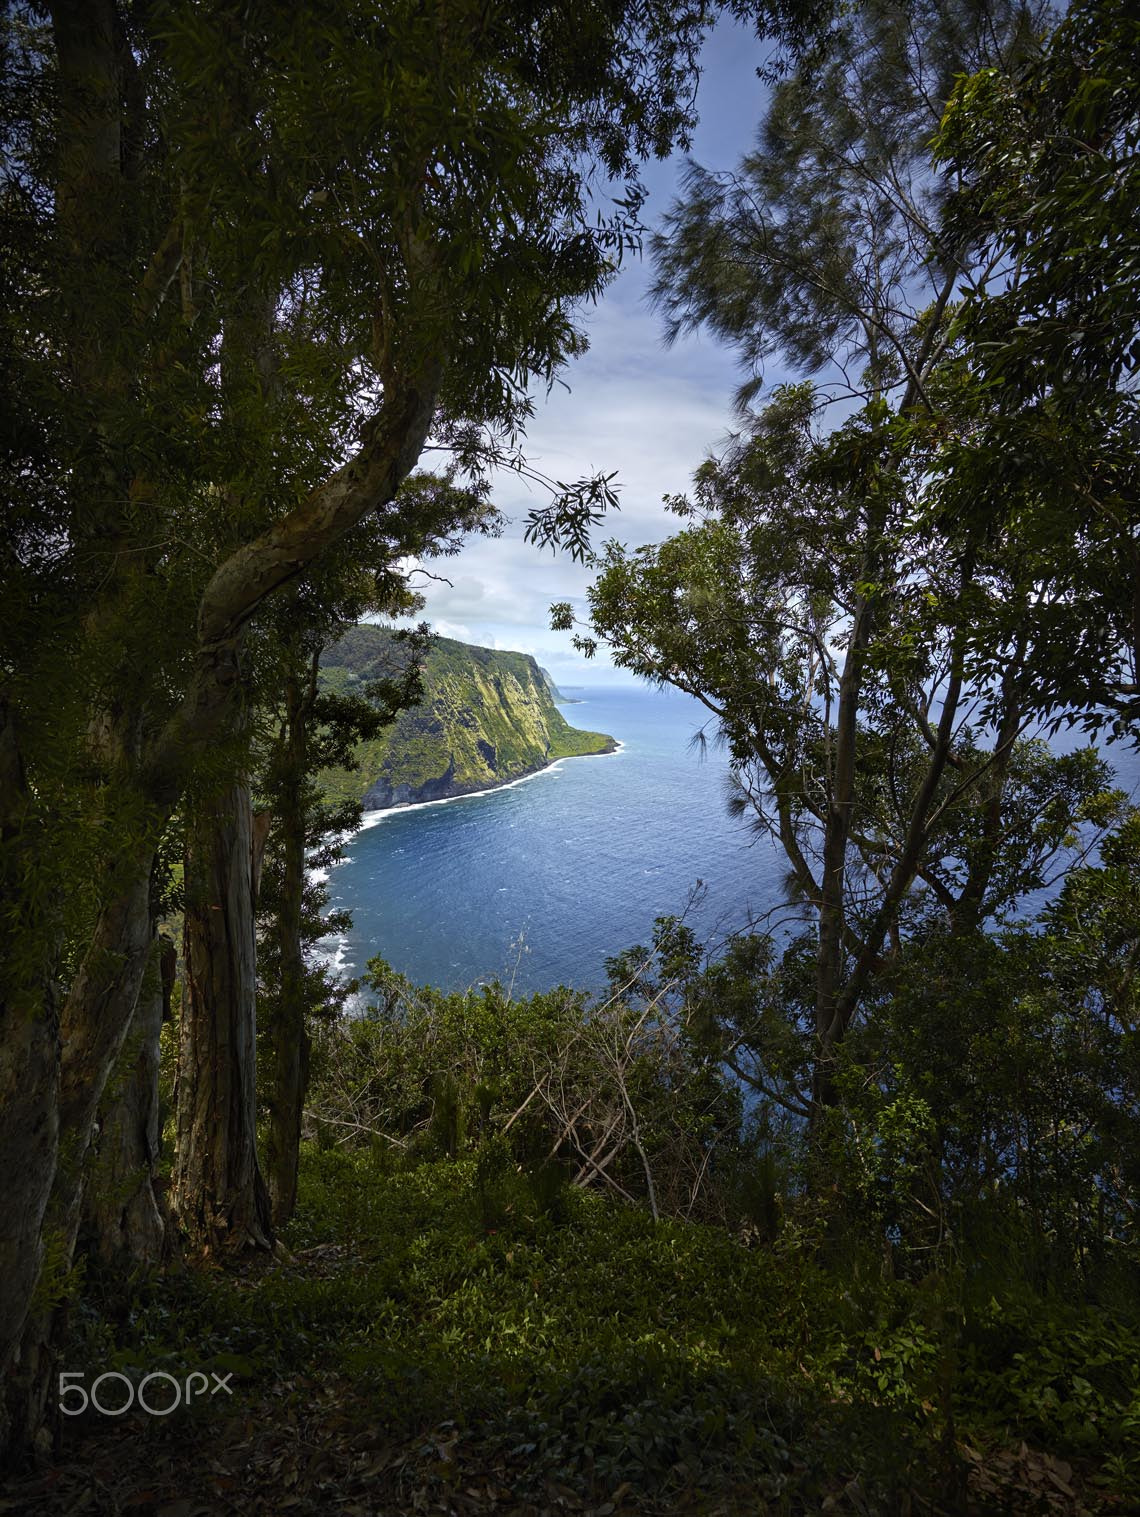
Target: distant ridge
{"points": [[555, 693]]}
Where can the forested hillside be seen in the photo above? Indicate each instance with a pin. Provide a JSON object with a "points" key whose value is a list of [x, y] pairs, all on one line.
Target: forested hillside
{"points": [[485, 718]]}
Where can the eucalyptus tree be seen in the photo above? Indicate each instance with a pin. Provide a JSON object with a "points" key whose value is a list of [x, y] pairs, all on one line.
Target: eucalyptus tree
{"points": [[1048, 195], [818, 607], [219, 1193], [253, 257], [306, 727], [749, 610]]}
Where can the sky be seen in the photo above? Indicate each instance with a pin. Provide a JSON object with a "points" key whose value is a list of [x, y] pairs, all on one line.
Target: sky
{"points": [[650, 412]]}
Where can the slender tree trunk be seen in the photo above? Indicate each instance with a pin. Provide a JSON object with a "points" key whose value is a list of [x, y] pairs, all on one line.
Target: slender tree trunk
{"points": [[848, 994], [833, 891], [290, 1082], [123, 1218], [290, 1040], [219, 1192], [290, 1067], [835, 1002], [966, 916]]}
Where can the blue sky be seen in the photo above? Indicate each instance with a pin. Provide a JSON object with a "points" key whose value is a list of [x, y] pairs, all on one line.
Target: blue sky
{"points": [[633, 405]]}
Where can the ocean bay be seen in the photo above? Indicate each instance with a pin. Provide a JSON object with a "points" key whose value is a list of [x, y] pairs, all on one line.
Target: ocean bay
{"points": [[538, 882]]}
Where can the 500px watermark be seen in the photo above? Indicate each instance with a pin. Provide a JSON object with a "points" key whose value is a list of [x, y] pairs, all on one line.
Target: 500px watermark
{"points": [[196, 1384]]}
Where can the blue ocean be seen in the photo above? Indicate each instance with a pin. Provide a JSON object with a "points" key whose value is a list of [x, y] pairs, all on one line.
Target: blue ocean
{"points": [[536, 884]]}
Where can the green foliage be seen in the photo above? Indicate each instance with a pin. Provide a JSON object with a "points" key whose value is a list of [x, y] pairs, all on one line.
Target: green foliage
{"points": [[60, 1279], [1048, 192], [567, 521], [1067, 1374], [986, 1099], [870, 628], [249, 259], [851, 720], [597, 1347], [611, 1094], [526, 1198], [823, 246], [994, 1092], [968, 1274], [440, 1071]]}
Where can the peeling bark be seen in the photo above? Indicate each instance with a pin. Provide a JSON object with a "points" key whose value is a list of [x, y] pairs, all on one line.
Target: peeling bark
{"points": [[219, 1193], [123, 1220], [290, 1040]]}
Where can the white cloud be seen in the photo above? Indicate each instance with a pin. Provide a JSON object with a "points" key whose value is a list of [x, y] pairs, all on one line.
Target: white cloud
{"points": [[453, 629], [653, 423], [650, 412]]}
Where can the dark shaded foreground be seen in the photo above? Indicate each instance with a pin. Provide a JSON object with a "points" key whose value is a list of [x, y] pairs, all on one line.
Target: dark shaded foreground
{"points": [[437, 1344]]}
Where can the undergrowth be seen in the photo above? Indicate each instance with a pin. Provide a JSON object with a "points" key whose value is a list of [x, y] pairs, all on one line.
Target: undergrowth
{"points": [[575, 1339]]}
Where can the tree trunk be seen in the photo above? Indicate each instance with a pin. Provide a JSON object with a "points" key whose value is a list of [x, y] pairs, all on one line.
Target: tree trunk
{"points": [[95, 1017], [29, 1084], [290, 1082], [290, 1040], [219, 1192], [123, 1219], [833, 884], [966, 916], [29, 1136]]}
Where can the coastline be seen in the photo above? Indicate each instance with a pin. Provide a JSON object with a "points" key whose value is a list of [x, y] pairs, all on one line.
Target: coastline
{"points": [[377, 814], [333, 950]]}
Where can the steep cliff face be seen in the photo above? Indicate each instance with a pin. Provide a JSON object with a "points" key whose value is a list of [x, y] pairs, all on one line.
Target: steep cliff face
{"points": [[487, 717]]}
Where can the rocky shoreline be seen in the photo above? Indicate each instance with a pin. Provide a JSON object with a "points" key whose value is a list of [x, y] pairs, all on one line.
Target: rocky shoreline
{"points": [[383, 795]]}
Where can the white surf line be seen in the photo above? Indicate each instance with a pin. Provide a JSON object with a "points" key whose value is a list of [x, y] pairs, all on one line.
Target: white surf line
{"points": [[334, 957], [374, 817]]}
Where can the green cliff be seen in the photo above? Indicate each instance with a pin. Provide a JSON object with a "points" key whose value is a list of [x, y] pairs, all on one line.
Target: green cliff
{"points": [[486, 718]]}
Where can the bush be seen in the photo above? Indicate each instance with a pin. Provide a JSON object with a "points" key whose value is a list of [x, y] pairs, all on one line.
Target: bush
{"points": [[607, 1094]]}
